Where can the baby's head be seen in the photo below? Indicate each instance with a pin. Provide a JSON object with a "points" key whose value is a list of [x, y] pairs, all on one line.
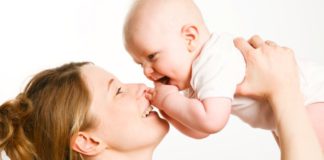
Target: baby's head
{"points": [[165, 36]]}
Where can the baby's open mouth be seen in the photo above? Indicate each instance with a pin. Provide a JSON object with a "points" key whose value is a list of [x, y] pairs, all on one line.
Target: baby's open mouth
{"points": [[164, 80], [147, 111]]}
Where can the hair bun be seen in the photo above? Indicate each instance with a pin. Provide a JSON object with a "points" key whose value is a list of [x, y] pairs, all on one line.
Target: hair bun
{"points": [[13, 116], [18, 109]]}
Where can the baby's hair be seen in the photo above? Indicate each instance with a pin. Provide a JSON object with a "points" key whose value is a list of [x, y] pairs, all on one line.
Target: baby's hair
{"points": [[167, 15], [39, 123]]}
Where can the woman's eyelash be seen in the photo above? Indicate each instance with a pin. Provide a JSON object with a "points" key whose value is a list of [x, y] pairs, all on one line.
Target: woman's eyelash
{"points": [[119, 90]]}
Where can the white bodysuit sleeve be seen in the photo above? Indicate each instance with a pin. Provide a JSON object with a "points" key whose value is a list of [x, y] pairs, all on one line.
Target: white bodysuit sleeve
{"points": [[219, 68]]}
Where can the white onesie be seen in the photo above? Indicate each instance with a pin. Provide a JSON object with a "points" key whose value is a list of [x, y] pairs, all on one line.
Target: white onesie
{"points": [[220, 67]]}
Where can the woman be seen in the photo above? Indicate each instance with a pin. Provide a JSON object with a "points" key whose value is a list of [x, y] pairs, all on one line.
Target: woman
{"points": [[80, 111], [80, 107]]}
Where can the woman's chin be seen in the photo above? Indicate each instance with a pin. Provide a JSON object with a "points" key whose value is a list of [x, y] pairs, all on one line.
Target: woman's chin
{"points": [[163, 123], [165, 129]]}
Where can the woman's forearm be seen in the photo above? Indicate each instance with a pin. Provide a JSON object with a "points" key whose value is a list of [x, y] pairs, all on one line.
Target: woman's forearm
{"points": [[297, 138]]}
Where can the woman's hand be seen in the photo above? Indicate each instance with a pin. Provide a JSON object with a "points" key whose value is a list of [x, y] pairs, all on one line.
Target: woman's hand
{"points": [[271, 70], [271, 74]]}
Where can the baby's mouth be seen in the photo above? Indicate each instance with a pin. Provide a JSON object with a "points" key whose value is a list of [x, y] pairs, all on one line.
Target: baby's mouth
{"points": [[164, 80], [147, 111]]}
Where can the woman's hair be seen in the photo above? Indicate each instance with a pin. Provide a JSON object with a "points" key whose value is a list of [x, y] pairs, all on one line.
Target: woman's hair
{"points": [[40, 121]]}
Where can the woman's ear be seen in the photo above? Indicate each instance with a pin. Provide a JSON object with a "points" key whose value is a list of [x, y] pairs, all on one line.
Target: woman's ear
{"points": [[86, 144], [191, 34]]}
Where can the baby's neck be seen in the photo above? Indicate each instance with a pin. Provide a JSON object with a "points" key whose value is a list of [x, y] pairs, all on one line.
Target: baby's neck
{"points": [[205, 36], [203, 39]]}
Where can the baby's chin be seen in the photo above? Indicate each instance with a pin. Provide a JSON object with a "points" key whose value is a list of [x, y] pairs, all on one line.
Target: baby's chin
{"points": [[181, 88]]}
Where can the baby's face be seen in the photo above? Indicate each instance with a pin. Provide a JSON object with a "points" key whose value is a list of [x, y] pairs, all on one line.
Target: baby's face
{"points": [[163, 56]]}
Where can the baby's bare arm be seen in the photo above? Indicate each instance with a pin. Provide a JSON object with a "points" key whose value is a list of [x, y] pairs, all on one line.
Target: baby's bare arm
{"points": [[184, 129], [208, 116]]}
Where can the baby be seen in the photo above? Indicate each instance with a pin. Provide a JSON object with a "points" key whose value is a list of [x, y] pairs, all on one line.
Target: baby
{"points": [[170, 40]]}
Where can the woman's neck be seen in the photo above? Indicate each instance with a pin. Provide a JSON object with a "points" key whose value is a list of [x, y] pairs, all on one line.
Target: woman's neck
{"points": [[133, 155]]}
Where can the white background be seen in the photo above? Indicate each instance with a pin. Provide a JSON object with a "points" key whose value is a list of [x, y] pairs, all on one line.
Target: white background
{"points": [[37, 34]]}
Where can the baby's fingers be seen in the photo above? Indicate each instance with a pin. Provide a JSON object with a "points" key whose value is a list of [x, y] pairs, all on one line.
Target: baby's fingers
{"points": [[149, 94]]}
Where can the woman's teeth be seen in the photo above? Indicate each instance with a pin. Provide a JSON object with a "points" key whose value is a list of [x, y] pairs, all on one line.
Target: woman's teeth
{"points": [[147, 111]]}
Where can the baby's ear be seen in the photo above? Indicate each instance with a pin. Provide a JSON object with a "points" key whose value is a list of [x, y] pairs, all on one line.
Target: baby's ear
{"points": [[191, 34], [87, 144]]}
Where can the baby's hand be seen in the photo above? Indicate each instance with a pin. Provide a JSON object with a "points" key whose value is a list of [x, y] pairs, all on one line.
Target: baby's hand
{"points": [[160, 92]]}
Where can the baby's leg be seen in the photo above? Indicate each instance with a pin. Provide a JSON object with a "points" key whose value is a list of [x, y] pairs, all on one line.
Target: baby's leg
{"points": [[316, 114]]}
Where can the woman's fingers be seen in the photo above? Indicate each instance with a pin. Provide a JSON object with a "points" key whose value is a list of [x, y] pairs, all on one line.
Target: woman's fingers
{"points": [[256, 41], [270, 43], [269, 68], [243, 46]]}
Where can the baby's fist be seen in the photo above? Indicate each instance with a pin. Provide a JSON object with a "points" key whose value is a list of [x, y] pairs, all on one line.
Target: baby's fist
{"points": [[160, 93]]}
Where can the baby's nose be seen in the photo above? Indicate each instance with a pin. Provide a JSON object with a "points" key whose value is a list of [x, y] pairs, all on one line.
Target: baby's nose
{"points": [[148, 71]]}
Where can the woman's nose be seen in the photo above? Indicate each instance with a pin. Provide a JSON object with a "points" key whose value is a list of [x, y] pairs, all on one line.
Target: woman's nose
{"points": [[142, 89], [138, 90]]}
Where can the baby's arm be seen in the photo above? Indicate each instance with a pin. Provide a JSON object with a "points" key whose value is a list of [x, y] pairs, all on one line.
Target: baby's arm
{"points": [[208, 116], [184, 129]]}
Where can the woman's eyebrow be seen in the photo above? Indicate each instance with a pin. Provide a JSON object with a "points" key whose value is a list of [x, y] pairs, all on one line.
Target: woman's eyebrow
{"points": [[110, 82]]}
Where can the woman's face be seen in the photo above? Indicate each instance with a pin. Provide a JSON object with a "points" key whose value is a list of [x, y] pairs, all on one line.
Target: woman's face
{"points": [[120, 112]]}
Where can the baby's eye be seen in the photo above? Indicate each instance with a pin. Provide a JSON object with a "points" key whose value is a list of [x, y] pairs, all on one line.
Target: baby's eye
{"points": [[151, 56]]}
